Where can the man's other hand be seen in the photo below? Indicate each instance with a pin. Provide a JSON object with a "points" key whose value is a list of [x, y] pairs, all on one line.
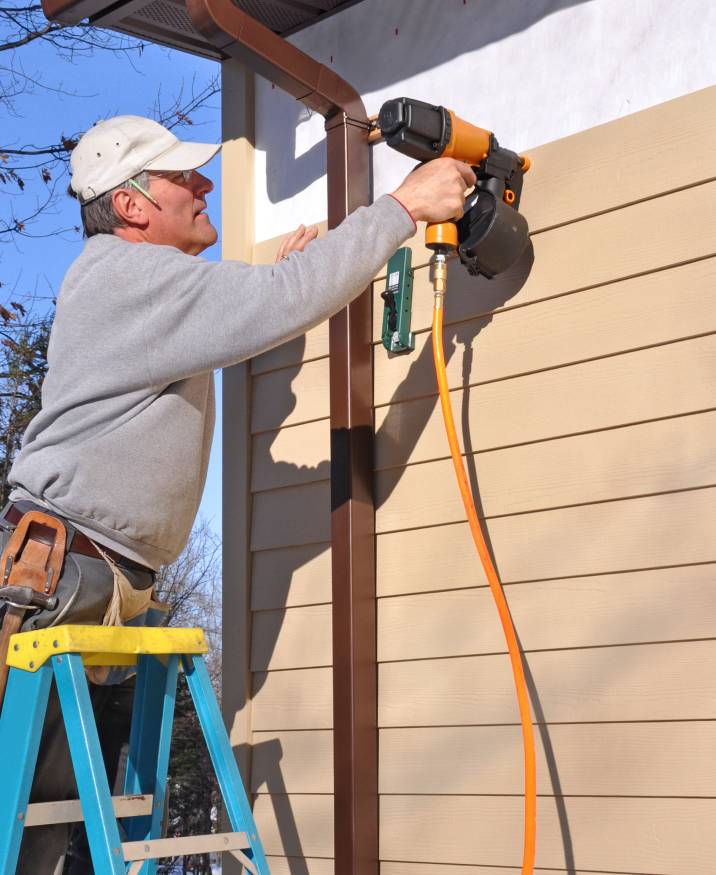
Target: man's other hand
{"points": [[296, 241], [435, 191]]}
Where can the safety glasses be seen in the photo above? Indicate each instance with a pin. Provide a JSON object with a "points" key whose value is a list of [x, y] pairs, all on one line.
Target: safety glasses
{"points": [[177, 176]]}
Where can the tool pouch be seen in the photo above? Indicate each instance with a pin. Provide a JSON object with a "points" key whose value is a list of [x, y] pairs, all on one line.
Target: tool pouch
{"points": [[34, 554], [31, 564], [127, 603], [127, 607]]}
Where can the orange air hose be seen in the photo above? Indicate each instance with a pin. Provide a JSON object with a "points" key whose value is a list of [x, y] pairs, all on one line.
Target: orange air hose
{"points": [[528, 857]]}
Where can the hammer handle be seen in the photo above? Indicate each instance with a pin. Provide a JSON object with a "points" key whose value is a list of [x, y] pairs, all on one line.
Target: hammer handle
{"points": [[10, 625]]}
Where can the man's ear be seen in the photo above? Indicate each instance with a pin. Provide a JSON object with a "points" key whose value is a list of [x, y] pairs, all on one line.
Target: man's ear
{"points": [[130, 207]]}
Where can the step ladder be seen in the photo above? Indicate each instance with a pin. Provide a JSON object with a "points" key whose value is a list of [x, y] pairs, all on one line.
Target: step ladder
{"points": [[64, 651]]}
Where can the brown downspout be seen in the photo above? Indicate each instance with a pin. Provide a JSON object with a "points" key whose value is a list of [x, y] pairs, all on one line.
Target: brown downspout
{"points": [[351, 395]]}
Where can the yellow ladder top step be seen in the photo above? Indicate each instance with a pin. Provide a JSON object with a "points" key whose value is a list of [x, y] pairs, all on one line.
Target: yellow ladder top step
{"points": [[101, 645]]}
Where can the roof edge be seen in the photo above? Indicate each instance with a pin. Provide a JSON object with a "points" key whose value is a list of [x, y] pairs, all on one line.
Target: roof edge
{"points": [[70, 11]]}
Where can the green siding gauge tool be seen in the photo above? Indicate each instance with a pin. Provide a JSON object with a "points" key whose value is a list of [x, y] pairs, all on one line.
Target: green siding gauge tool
{"points": [[398, 296]]}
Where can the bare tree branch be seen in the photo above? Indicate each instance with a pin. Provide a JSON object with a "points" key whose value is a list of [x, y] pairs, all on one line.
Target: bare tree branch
{"points": [[28, 38], [180, 110], [56, 150]]}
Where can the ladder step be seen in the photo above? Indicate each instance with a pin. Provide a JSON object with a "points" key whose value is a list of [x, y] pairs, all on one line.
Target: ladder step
{"points": [[21, 722], [151, 849], [70, 811]]}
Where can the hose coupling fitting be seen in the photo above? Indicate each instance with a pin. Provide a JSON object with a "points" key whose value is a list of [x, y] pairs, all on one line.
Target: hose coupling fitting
{"points": [[438, 265]]}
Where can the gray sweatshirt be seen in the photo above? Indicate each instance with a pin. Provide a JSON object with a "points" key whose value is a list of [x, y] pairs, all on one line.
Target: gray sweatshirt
{"points": [[121, 444]]}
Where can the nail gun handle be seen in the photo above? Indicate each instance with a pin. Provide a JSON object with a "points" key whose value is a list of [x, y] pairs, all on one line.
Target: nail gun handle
{"points": [[441, 235]]}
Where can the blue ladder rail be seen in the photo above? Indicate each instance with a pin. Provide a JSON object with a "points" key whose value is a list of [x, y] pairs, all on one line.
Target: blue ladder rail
{"points": [[63, 652]]}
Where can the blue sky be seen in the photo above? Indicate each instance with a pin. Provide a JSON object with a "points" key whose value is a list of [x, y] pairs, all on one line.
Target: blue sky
{"points": [[71, 96]]}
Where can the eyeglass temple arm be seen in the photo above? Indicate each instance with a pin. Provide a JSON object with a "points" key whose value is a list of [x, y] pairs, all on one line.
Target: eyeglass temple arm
{"points": [[143, 191]]}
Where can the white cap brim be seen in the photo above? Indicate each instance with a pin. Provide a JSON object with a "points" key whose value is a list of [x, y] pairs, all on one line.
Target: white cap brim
{"points": [[184, 156]]}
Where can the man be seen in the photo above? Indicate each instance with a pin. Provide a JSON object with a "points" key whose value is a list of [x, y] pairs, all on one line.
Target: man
{"points": [[120, 447]]}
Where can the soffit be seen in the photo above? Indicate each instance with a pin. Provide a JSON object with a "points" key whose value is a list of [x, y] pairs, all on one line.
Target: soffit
{"points": [[167, 21]]}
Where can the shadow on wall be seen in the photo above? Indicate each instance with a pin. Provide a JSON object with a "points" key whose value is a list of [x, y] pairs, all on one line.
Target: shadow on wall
{"points": [[396, 430], [403, 435], [434, 38]]}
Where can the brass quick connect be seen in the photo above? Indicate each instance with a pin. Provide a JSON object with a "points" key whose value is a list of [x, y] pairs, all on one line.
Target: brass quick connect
{"points": [[439, 276]]}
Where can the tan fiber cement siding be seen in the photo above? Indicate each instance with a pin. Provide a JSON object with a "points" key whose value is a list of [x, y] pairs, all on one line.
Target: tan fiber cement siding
{"points": [[291, 602], [584, 385]]}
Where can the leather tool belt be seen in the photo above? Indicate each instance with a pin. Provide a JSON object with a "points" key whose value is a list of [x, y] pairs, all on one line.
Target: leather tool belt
{"points": [[78, 543], [30, 565], [32, 559]]}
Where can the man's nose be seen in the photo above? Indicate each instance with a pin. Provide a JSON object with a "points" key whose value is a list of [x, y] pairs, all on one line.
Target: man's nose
{"points": [[203, 184]]}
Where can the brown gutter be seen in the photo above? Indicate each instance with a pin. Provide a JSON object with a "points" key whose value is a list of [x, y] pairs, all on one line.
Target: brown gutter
{"points": [[70, 11]]}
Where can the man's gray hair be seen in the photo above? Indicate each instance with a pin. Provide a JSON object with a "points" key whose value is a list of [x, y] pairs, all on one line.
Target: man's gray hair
{"points": [[98, 216]]}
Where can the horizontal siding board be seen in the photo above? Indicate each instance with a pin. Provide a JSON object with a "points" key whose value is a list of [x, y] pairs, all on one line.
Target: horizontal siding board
{"points": [[302, 865], [656, 836], [292, 762], [295, 826], [595, 759], [311, 345], [652, 457], [265, 251], [291, 456], [663, 381], [581, 174], [296, 699], [634, 683], [292, 638], [420, 254], [556, 332], [290, 576], [668, 604], [640, 533], [290, 396], [439, 869], [599, 250], [291, 516], [625, 759]]}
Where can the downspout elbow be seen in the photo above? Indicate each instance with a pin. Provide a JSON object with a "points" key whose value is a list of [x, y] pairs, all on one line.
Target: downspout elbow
{"points": [[236, 34]]}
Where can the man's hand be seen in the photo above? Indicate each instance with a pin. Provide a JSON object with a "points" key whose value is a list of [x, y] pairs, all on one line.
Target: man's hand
{"points": [[435, 191], [296, 241]]}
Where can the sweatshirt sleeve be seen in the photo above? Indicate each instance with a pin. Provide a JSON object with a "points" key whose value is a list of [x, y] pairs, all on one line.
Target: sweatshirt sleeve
{"points": [[202, 315]]}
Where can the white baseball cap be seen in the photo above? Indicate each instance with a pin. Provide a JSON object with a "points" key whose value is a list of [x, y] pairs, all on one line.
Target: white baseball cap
{"points": [[119, 148]]}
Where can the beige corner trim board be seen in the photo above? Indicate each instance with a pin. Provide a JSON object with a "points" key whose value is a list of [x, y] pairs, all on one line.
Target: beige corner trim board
{"points": [[237, 243]]}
